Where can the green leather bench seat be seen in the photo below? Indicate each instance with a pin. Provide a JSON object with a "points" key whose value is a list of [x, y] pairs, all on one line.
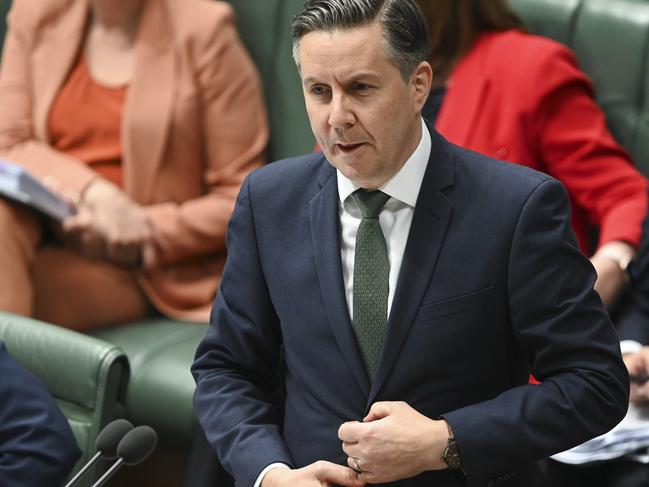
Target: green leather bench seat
{"points": [[161, 388]]}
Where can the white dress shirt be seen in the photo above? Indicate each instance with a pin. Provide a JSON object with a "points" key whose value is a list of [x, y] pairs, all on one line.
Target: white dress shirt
{"points": [[395, 219]]}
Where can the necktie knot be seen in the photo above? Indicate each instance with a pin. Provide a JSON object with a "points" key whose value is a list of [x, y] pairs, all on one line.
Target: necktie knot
{"points": [[370, 202]]}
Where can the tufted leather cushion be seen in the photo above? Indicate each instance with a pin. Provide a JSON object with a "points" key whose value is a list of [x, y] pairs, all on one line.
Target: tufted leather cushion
{"points": [[611, 41], [161, 387]]}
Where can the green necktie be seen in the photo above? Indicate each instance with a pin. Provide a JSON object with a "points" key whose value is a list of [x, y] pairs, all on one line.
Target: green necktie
{"points": [[371, 279]]}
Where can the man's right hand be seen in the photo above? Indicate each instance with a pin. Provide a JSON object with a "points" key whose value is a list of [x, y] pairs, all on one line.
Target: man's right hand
{"points": [[318, 474]]}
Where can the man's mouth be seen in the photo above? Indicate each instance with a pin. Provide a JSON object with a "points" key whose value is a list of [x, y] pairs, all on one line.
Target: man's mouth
{"points": [[348, 148]]}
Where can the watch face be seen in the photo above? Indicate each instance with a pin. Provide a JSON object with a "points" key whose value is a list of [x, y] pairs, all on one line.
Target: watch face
{"points": [[451, 455]]}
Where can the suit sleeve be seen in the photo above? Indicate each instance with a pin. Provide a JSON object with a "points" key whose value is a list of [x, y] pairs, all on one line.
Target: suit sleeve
{"points": [[235, 131], [560, 326], [17, 139], [237, 364], [37, 448], [578, 149]]}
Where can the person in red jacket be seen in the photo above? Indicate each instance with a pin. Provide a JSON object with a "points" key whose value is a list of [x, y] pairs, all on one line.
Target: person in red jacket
{"points": [[522, 98]]}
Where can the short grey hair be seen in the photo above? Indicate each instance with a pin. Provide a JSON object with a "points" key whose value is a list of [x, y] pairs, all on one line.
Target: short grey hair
{"points": [[405, 30]]}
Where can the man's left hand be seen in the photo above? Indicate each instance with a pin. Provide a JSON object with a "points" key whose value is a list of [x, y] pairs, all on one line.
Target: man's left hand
{"points": [[394, 442]]}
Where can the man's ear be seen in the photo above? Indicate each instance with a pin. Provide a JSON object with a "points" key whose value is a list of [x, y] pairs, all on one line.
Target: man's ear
{"points": [[422, 80]]}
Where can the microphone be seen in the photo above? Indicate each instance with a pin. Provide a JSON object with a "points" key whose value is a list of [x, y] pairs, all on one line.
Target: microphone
{"points": [[106, 445], [133, 449]]}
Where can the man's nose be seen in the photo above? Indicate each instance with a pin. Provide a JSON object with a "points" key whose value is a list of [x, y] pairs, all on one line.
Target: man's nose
{"points": [[341, 114]]}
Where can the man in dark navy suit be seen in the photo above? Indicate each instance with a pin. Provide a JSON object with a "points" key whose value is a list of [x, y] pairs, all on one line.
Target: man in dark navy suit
{"points": [[401, 290], [37, 448]]}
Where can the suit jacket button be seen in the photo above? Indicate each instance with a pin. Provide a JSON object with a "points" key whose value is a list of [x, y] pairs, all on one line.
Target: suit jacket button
{"points": [[502, 153]]}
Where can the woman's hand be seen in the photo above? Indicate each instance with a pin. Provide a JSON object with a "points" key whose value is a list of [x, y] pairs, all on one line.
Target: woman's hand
{"points": [[638, 366], [609, 261], [109, 225]]}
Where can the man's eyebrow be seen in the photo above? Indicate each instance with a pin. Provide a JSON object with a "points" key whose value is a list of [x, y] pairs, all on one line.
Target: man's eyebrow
{"points": [[351, 78]]}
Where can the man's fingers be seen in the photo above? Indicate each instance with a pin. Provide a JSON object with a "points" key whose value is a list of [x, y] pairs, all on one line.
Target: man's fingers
{"points": [[379, 410], [357, 465], [351, 449], [336, 474], [350, 431]]}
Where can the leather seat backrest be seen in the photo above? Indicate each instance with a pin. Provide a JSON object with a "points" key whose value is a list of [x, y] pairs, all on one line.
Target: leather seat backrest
{"points": [[611, 41], [265, 27]]}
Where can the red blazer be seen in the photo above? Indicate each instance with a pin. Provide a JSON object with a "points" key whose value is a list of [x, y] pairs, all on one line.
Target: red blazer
{"points": [[522, 98]]}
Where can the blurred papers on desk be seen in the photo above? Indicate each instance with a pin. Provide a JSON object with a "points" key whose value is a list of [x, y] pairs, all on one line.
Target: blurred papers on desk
{"points": [[629, 439], [18, 185]]}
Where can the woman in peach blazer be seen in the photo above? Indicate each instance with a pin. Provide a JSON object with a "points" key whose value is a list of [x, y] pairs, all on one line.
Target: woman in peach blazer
{"points": [[193, 126]]}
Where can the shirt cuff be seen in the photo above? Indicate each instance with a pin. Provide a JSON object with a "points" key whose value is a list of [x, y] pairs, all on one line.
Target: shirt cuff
{"points": [[628, 346], [268, 469]]}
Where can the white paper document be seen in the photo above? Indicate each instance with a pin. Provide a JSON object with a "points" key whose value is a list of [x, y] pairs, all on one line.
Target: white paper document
{"points": [[629, 439], [18, 185]]}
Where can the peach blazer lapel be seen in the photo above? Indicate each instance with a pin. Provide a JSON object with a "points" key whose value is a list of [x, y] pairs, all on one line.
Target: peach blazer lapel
{"points": [[56, 52], [149, 104]]}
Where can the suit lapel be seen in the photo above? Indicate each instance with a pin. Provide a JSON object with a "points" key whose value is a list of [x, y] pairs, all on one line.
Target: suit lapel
{"points": [[429, 222], [325, 234], [149, 103], [56, 53], [466, 91]]}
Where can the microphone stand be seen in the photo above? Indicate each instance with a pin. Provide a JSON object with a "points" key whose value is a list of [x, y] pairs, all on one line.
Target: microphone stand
{"points": [[84, 469], [109, 473]]}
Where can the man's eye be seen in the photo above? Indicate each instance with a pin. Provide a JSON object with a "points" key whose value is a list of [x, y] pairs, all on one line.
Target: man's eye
{"points": [[318, 90], [362, 88]]}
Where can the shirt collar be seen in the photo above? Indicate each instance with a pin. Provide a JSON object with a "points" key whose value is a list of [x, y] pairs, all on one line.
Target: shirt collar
{"points": [[405, 184]]}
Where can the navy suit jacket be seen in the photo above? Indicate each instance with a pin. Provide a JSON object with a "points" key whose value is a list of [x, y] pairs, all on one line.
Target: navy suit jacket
{"points": [[37, 448], [491, 288]]}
